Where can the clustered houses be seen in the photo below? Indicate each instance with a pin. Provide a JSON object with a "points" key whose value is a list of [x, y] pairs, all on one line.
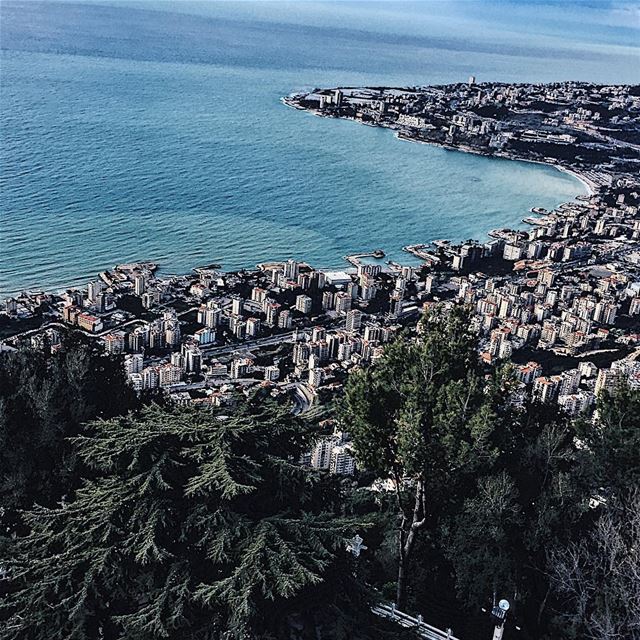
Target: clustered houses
{"points": [[569, 287], [285, 326], [573, 289], [560, 299]]}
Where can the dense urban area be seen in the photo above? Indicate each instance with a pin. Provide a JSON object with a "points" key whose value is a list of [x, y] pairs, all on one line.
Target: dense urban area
{"points": [[559, 298]]}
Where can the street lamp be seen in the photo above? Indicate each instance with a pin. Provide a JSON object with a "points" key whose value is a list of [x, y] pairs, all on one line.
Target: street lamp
{"points": [[499, 615]]}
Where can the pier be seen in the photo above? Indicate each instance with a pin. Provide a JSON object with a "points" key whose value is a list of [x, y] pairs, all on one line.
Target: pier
{"points": [[420, 251], [356, 258]]}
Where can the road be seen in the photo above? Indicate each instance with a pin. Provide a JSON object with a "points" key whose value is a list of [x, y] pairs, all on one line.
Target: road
{"points": [[303, 398], [247, 345]]}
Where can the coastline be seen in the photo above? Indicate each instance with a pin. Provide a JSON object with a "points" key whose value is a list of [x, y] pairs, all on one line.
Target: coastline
{"points": [[399, 134], [590, 186]]}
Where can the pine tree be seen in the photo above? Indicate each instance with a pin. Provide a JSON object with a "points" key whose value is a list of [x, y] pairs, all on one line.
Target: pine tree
{"points": [[196, 525], [44, 399], [611, 442], [423, 416], [527, 500]]}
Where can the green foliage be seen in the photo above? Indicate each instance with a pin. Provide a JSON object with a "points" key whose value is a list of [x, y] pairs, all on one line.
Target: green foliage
{"points": [[522, 502], [501, 493], [594, 571], [481, 547], [492, 486], [612, 442], [408, 414], [426, 417], [44, 399], [196, 525]]}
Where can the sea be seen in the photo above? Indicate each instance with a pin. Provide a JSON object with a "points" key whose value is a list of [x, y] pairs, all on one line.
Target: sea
{"points": [[155, 131]]}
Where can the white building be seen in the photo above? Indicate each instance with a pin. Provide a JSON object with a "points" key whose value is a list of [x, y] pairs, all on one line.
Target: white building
{"points": [[342, 302], [150, 378], [315, 377], [240, 367], [135, 380], [303, 304], [272, 373], [342, 461], [354, 320], [133, 363]]}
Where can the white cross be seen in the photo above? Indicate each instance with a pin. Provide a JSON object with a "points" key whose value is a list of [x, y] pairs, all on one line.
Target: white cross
{"points": [[355, 545]]}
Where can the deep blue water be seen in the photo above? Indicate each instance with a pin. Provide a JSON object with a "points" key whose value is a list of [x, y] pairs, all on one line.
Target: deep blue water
{"points": [[154, 130]]}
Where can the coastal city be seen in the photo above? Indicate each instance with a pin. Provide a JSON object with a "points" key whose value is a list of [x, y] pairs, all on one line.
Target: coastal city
{"points": [[320, 320], [559, 298]]}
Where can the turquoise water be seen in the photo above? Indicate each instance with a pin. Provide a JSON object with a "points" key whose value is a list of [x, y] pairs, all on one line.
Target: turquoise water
{"points": [[154, 131]]}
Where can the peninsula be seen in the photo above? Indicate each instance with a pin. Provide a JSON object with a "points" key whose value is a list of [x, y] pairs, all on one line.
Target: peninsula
{"points": [[591, 130]]}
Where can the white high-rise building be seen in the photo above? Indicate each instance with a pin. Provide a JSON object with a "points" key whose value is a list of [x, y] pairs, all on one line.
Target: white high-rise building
{"points": [[344, 351], [303, 304], [545, 388], [192, 358], [318, 334], [94, 290], [258, 294], [133, 363], [253, 327], [321, 454], [354, 320], [315, 377], [150, 378], [172, 333], [205, 335], [327, 300], [284, 321], [291, 268], [271, 312], [576, 403], [342, 302], [139, 284], [236, 306], [342, 461]]}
